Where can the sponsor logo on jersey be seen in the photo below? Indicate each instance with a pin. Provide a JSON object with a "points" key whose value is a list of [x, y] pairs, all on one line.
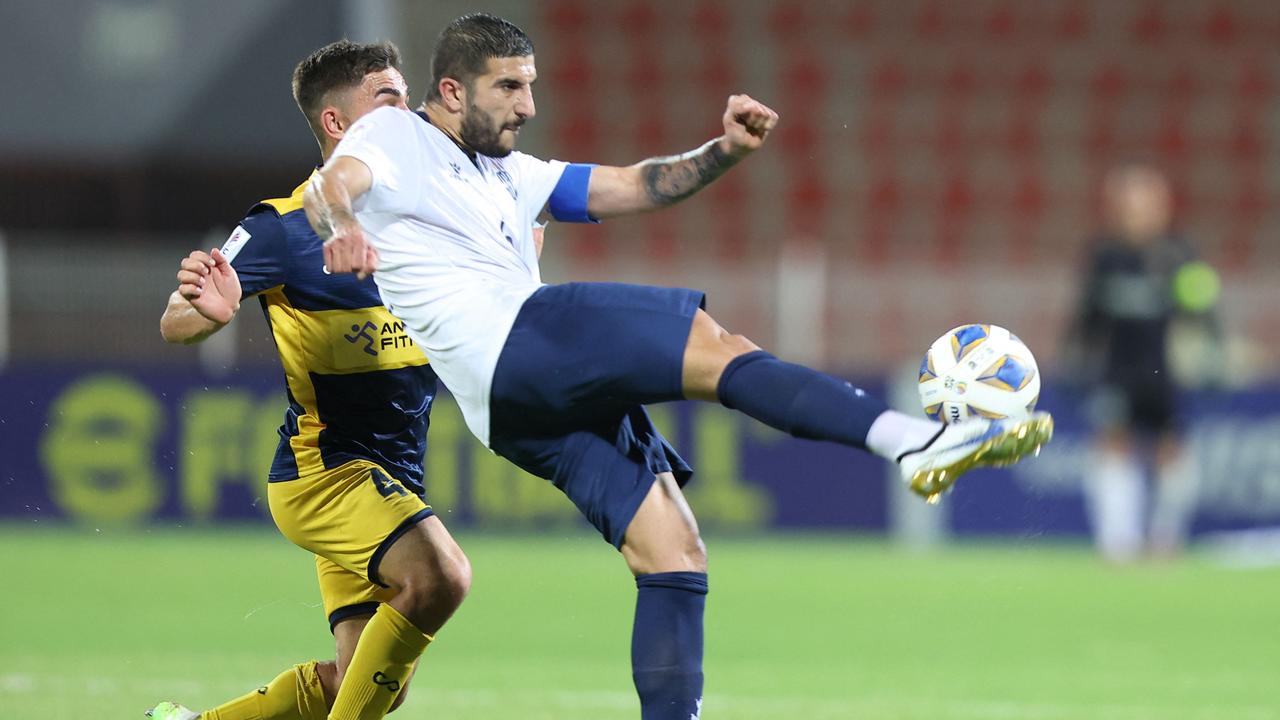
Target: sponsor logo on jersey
{"points": [[362, 333], [369, 339]]}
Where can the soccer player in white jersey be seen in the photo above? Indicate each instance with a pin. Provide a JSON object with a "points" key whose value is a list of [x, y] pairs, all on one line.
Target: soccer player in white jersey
{"points": [[554, 377]]}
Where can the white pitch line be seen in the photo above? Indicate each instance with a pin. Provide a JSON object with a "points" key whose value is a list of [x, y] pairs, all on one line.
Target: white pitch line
{"points": [[610, 700]]}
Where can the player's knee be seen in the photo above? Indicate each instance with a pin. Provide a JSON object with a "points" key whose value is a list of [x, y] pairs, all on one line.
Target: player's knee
{"points": [[739, 344], [729, 346], [456, 579], [709, 351], [674, 552], [695, 552], [442, 589], [706, 332]]}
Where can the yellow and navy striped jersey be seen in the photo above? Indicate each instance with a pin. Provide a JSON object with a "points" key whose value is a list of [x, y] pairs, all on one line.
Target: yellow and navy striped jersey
{"points": [[358, 387]]}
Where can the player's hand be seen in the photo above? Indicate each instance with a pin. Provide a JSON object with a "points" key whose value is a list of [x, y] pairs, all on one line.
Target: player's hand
{"points": [[350, 251], [747, 122], [210, 284]]}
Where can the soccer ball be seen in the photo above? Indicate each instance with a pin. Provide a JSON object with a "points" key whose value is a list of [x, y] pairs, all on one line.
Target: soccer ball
{"points": [[978, 371]]}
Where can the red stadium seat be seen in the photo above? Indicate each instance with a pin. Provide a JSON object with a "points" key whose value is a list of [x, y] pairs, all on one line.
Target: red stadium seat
{"points": [[1072, 24], [858, 22], [1220, 27], [931, 22], [1149, 26], [925, 129]]}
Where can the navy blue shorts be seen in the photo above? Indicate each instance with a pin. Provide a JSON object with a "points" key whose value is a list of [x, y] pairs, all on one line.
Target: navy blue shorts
{"points": [[567, 392], [1148, 408]]}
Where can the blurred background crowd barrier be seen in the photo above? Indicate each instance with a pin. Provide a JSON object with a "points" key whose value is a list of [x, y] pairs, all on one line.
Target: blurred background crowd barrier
{"points": [[113, 446], [937, 163]]}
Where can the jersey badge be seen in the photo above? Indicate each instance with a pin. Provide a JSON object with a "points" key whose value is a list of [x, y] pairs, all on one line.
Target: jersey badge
{"points": [[505, 177], [232, 246]]}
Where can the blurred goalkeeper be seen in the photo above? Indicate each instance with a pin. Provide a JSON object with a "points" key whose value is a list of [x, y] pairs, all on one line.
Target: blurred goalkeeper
{"points": [[1141, 280]]}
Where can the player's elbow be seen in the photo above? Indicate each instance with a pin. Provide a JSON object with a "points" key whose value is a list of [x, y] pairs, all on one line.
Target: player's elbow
{"points": [[177, 332], [615, 191], [174, 337], [169, 332]]}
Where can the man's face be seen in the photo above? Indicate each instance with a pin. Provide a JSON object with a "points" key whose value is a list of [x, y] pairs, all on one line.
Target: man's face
{"points": [[1140, 204], [378, 89], [498, 103]]}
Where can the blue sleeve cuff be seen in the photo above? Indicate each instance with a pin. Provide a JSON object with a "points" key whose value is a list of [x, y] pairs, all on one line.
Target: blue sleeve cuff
{"points": [[568, 201]]}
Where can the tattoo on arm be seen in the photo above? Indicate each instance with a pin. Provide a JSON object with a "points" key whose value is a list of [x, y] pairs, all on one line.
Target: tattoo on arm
{"points": [[669, 180]]}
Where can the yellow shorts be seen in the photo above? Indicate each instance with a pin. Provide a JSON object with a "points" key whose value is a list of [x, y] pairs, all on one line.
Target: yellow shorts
{"points": [[347, 517]]}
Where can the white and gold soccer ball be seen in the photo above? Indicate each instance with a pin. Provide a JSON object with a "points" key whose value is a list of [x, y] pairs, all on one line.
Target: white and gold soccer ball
{"points": [[978, 371]]}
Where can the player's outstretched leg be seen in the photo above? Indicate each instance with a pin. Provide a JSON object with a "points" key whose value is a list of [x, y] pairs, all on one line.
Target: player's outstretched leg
{"points": [[303, 692], [295, 694], [808, 404], [665, 553], [431, 577]]}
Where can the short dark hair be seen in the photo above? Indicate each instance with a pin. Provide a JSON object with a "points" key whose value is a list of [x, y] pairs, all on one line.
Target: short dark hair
{"points": [[466, 45], [337, 66]]}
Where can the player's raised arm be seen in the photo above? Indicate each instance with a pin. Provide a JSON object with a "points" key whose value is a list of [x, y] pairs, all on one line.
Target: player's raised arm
{"points": [[183, 324], [207, 298], [328, 202], [659, 182], [212, 284]]}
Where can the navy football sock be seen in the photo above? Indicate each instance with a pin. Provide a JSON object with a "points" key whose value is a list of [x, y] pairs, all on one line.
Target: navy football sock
{"points": [[798, 400], [666, 644]]}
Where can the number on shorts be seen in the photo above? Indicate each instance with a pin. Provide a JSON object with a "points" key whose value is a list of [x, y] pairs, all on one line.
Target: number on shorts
{"points": [[386, 486]]}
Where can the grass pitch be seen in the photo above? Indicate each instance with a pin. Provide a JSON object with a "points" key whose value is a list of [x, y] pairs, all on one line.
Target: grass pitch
{"points": [[104, 624]]}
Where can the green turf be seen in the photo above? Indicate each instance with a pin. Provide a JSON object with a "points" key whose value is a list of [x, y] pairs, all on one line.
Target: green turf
{"points": [[103, 624]]}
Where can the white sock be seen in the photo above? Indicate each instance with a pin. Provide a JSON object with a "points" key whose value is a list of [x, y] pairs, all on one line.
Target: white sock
{"points": [[1114, 489], [894, 433], [1176, 492]]}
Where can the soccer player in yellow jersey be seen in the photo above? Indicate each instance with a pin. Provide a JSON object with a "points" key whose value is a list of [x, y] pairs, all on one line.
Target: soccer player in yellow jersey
{"points": [[346, 482]]}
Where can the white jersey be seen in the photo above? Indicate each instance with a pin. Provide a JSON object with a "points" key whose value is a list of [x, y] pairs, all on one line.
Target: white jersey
{"points": [[455, 244]]}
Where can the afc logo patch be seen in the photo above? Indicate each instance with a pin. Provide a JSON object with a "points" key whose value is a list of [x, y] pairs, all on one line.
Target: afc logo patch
{"points": [[232, 246]]}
